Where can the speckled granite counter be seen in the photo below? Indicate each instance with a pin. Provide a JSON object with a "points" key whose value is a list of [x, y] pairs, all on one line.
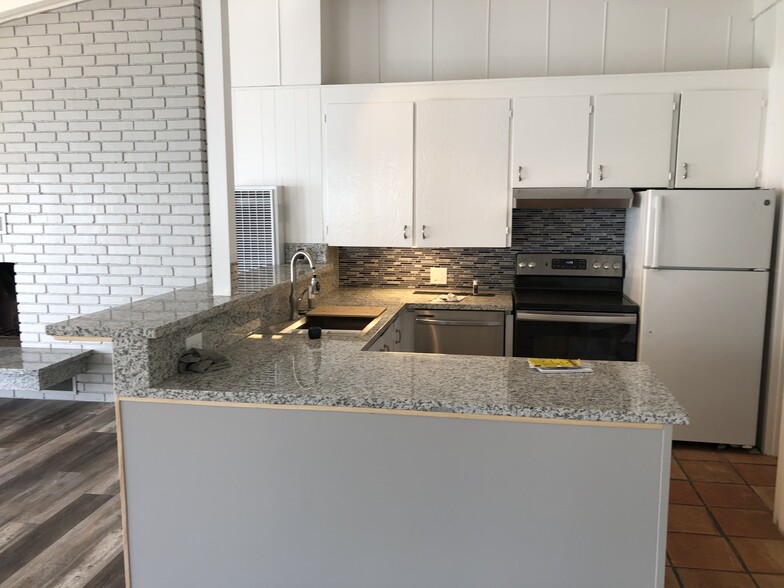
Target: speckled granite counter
{"points": [[160, 315], [331, 372], [37, 369], [334, 371]]}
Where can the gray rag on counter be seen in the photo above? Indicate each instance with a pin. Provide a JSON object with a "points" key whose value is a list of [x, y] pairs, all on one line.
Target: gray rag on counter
{"points": [[202, 360]]}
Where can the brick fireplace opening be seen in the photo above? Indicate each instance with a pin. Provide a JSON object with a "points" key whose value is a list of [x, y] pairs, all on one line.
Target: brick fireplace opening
{"points": [[9, 313]]}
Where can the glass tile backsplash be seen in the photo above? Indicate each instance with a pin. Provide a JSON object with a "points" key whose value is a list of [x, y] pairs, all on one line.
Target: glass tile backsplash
{"points": [[535, 230]]}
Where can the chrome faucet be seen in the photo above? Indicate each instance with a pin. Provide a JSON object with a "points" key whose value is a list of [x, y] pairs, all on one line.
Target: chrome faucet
{"points": [[311, 290]]}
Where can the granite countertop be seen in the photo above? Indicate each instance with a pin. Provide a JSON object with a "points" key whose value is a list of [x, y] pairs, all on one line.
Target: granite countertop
{"points": [[334, 371], [160, 315], [157, 316], [31, 368]]}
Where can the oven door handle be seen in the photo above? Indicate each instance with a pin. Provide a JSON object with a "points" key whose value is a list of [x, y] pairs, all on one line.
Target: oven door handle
{"points": [[618, 319]]}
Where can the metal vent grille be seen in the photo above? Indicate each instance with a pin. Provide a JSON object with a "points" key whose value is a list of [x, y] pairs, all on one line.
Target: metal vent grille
{"points": [[259, 235]]}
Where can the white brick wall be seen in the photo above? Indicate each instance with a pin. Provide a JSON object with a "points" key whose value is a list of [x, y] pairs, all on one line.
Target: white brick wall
{"points": [[102, 161]]}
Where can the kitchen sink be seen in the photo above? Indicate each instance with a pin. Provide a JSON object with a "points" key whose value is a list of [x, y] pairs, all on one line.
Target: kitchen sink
{"points": [[333, 323], [338, 319]]}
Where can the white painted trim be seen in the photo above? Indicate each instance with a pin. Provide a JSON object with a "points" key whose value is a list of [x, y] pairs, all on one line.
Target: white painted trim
{"points": [[220, 154], [675, 82]]}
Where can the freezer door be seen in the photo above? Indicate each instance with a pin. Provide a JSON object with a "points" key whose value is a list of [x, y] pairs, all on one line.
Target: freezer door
{"points": [[709, 228], [702, 333]]}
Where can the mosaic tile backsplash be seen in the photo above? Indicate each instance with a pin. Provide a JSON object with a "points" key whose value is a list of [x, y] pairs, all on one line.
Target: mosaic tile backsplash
{"points": [[535, 230]]}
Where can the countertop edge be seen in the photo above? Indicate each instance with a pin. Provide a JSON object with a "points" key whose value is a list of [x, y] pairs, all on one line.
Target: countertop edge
{"points": [[222, 398]]}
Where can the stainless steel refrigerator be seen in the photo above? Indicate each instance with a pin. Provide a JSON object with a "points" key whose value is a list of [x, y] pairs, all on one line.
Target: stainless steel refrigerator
{"points": [[697, 262]]}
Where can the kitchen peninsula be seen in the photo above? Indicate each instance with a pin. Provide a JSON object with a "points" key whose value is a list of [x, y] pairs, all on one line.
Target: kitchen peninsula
{"points": [[315, 463]]}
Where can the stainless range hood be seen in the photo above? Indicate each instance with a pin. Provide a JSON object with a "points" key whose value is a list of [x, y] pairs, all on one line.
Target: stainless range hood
{"points": [[573, 197]]}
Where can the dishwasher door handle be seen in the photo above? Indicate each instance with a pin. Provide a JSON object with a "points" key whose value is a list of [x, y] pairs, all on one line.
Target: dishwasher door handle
{"points": [[446, 323], [617, 319]]}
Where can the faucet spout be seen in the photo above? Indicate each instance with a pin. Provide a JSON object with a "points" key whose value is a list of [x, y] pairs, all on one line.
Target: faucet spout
{"points": [[312, 290]]}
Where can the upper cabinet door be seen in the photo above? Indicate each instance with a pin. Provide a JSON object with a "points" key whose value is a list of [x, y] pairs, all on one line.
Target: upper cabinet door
{"points": [[632, 140], [550, 145], [462, 171], [369, 174], [719, 139]]}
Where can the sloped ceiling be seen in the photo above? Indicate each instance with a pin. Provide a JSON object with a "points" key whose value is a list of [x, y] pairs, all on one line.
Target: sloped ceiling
{"points": [[11, 9]]}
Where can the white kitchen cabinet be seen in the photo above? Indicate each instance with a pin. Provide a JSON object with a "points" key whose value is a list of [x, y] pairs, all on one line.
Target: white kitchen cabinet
{"points": [[632, 140], [369, 174], [462, 171], [403, 329], [550, 141], [719, 139], [386, 341]]}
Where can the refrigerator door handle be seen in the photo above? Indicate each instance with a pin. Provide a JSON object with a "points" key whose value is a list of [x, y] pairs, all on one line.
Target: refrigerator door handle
{"points": [[658, 203]]}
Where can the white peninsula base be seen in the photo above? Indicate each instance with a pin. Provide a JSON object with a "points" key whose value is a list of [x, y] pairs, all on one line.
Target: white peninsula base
{"points": [[219, 494]]}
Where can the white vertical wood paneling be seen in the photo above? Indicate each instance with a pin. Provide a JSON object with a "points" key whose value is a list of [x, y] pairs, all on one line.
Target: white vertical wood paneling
{"points": [[696, 40], [350, 41], [269, 159], [459, 39], [278, 142], [297, 132], [253, 34], [248, 146], [518, 38], [315, 229], [300, 42], [366, 41], [635, 38], [286, 157], [576, 38], [406, 40]]}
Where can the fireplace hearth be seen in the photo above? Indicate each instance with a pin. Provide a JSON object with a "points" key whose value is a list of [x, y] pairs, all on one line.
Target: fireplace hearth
{"points": [[9, 312]]}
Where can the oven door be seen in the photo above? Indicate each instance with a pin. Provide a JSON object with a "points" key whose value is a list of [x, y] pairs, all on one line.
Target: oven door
{"points": [[576, 335]]}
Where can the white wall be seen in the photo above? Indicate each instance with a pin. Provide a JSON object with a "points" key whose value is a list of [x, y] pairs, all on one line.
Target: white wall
{"points": [[102, 163], [413, 40], [277, 142], [773, 177]]}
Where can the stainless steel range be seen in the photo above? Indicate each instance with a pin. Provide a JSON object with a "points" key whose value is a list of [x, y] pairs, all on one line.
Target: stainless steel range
{"points": [[573, 306]]}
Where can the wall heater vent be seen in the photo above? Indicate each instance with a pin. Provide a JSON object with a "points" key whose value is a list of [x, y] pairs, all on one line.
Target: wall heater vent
{"points": [[259, 227]]}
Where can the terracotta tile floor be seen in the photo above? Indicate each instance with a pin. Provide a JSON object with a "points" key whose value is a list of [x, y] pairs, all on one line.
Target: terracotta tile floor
{"points": [[721, 531]]}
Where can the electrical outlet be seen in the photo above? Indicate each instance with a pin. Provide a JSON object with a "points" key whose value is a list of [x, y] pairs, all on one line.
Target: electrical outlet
{"points": [[194, 342], [438, 275]]}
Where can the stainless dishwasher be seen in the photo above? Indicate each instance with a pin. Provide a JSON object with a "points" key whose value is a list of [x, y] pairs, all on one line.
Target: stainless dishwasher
{"points": [[460, 332]]}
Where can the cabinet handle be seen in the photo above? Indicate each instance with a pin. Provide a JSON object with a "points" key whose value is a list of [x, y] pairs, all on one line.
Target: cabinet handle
{"points": [[601, 172], [520, 173], [423, 232], [405, 231], [398, 336], [385, 347], [685, 170]]}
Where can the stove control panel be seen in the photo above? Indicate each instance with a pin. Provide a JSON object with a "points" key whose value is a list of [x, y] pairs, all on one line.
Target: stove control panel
{"points": [[567, 264]]}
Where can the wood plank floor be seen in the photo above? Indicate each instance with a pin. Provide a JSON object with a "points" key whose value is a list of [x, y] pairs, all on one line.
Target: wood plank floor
{"points": [[59, 495]]}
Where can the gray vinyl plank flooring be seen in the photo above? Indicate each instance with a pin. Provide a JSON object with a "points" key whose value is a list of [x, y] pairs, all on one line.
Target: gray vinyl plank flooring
{"points": [[60, 521]]}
